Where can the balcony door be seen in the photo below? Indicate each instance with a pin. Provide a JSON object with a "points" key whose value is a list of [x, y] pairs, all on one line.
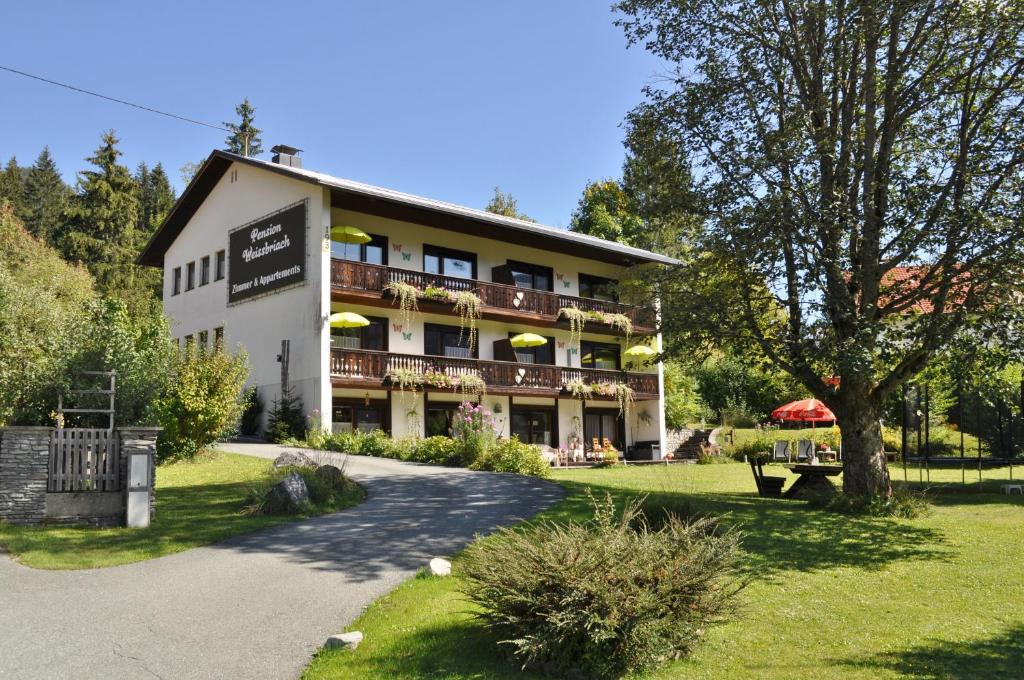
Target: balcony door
{"points": [[601, 424], [447, 262], [447, 341], [534, 425], [374, 252], [600, 355], [356, 414], [373, 337]]}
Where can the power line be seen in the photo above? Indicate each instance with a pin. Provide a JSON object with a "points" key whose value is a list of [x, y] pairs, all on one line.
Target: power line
{"points": [[114, 99]]}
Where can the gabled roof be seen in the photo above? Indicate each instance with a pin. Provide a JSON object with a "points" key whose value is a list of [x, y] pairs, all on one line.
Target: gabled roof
{"points": [[905, 283], [375, 200]]}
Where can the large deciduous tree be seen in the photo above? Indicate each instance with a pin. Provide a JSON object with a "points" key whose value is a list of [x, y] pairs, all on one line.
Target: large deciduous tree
{"points": [[861, 163], [506, 204]]}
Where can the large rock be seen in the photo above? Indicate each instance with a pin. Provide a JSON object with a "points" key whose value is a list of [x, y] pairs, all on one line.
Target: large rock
{"points": [[331, 474], [293, 459], [290, 491]]}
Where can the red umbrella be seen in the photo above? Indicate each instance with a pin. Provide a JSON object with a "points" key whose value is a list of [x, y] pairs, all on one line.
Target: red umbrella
{"points": [[806, 410]]}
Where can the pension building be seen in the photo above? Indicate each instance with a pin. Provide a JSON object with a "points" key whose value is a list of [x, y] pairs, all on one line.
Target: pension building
{"points": [[249, 260]]}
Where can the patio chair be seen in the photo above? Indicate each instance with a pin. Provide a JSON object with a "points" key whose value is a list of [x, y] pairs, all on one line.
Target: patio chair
{"points": [[804, 450], [768, 487], [781, 451]]}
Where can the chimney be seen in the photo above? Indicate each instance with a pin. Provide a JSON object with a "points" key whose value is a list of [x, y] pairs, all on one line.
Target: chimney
{"points": [[286, 155]]}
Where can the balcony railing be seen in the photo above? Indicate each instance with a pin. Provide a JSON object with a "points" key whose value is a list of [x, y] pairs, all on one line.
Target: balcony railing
{"points": [[373, 367], [374, 278]]}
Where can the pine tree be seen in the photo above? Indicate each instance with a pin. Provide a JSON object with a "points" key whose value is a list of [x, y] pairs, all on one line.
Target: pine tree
{"points": [[156, 196], [102, 219], [12, 186], [46, 197], [244, 139]]}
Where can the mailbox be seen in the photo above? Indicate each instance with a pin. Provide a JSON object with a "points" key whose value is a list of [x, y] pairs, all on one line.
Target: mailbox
{"points": [[139, 490]]}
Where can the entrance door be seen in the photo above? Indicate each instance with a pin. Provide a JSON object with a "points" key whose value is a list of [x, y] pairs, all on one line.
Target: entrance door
{"points": [[602, 425]]}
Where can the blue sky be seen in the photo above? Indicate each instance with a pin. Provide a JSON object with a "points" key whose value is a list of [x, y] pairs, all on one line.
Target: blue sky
{"points": [[444, 99]]}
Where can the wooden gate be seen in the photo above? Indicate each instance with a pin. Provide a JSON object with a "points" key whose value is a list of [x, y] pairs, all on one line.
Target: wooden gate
{"points": [[84, 459]]}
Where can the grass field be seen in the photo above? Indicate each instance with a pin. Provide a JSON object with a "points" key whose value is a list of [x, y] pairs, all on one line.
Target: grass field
{"points": [[196, 503], [941, 596]]}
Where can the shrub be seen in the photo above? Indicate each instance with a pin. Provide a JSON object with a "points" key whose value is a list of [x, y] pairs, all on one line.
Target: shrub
{"points": [[253, 413], [475, 431], [285, 420], [437, 450], [203, 400], [512, 455], [324, 492], [375, 443], [903, 504], [605, 597]]}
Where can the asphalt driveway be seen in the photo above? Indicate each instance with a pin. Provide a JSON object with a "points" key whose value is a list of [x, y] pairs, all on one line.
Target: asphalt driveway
{"points": [[260, 605]]}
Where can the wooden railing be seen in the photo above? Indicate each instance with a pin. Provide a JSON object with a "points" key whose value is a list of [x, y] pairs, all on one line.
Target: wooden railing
{"points": [[374, 278], [374, 366]]}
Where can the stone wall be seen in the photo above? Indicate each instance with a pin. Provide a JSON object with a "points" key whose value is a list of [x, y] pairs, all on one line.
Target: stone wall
{"points": [[24, 470], [24, 466]]}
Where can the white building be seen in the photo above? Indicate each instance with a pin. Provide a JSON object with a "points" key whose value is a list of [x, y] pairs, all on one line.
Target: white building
{"points": [[247, 256]]}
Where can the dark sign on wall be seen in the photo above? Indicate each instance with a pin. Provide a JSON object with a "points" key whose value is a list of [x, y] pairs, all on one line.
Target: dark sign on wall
{"points": [[268, 254]]}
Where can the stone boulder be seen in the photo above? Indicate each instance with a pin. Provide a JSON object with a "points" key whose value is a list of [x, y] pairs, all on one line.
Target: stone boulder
{"points": [[331, 474], [290, 492], [344, 640], [293, 459], [440, 567]]}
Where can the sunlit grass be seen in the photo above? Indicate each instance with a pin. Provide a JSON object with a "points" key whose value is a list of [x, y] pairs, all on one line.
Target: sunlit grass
{"points": [[196, 503], [834, 596]]}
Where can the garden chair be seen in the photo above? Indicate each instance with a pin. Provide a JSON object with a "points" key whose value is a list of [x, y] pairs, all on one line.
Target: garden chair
{"points": [[781, 451], [804, 450], [768, 487]]}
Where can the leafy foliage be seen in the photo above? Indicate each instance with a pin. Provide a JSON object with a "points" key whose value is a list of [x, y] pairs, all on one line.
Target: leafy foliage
{"points": [[512, 455], [204, 400], [577, 319], [506, 205], [606, 211], [605, 597], [45, 305], [468, 307], [252, 415]]}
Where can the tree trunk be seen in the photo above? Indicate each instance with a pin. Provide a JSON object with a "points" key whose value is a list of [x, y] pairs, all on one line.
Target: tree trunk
{"points": [[864, 470]]}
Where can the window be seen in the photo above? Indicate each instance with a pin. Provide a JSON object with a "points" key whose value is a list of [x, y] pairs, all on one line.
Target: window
{"points": [[532, 276], [176, 281], [190, 276], [448, 262], [348, 415], [374, 336], [598, 288], [218, 337], [439, 419], [534, 425], [218, 272], [374, 252], [189, 342], [601, 425], [445, 341], [599, 355], [204, 271], [542, 354], [204, 336]]}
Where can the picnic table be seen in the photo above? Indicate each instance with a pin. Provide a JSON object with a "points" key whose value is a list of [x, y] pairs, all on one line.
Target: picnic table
{"points": [[813, 480]]}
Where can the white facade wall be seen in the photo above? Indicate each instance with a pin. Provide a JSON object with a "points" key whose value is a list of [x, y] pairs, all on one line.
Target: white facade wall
{"points": [[259, 324]]}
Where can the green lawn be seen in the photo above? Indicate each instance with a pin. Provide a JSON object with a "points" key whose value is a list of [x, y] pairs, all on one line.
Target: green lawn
{"points": [[940, 435], [196, 503], [941, 596]]}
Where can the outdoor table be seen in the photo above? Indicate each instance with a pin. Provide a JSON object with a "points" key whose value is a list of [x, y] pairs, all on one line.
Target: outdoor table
{"points": [[813, 480]]}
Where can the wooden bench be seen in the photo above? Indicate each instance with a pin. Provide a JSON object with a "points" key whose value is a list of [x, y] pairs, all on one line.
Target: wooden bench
{"points": [[769, 487]]}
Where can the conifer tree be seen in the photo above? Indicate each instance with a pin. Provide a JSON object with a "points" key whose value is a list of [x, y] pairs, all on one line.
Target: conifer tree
{"points": [[12, 186], [156, 196], [102, 218], [46, 197], [244, 139]]}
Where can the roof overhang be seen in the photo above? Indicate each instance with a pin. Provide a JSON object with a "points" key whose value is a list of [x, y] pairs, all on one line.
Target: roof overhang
{"points": [[372, 200]]}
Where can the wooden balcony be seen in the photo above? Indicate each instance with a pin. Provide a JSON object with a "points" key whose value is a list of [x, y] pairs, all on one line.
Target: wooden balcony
{"points": [[367, 368], [366, 283]]}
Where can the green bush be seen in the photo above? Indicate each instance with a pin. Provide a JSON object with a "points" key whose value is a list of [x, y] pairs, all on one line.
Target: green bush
{"points": [[511, 455], [606, 597], [902, 504], [324, 492], [436, 450], [249, 424], [203, 400], [375, 443]]}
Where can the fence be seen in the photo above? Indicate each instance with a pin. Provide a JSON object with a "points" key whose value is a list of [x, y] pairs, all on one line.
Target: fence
{"points": [[84, 459]]}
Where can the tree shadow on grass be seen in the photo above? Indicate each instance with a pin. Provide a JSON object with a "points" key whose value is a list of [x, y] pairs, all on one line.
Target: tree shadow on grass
{"points": [[996, 658], [787, 535]]}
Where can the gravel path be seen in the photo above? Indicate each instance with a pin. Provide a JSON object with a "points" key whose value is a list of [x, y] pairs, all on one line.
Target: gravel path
{"points": [[259, 605]]}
